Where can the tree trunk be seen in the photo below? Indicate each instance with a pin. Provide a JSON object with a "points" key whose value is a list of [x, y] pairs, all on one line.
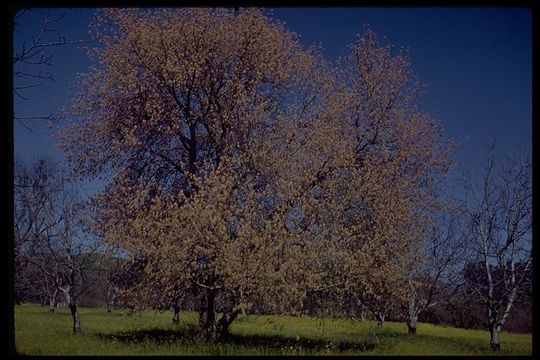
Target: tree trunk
{"points": [[413, 316], [222, 326], [411, 325], [75, 316], [207, 315], [495, 343], [72, 304], [380, 318], [362, 311], [52, 300], [111, 296], [211, 328], [202, 317], [176, 312], [176, 316]]}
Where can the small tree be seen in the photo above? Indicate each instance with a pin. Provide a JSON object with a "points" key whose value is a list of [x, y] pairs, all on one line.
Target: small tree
{"points": [[59, 250], [33, 185], [433, 273], [499, 216], [397, 159]]}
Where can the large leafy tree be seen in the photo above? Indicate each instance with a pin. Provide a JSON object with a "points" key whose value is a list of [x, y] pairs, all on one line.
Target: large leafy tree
{"points": [[244, 169], [208, 122]]}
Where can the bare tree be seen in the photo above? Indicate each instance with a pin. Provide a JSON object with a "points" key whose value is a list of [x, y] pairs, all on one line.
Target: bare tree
{"points": [[433, 274], [34, 185], [499, 214], [59, 249], [69, 248], [114, 280]]}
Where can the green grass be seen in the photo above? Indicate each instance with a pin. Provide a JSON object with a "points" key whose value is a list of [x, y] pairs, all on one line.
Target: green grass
{"points": [[39, 332]]}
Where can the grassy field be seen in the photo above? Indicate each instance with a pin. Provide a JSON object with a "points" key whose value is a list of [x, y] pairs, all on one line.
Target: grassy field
{"points": [[37, 331]]}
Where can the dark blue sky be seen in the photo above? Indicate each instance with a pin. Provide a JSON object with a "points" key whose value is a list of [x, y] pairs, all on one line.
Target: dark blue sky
{"points": [[477, 63]]}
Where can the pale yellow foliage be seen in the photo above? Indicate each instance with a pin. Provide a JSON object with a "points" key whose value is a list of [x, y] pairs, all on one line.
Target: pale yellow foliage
{"points": [[245, 166]]}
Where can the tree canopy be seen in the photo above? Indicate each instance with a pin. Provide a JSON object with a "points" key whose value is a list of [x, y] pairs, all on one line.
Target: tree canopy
{"points": [[246, 168]]}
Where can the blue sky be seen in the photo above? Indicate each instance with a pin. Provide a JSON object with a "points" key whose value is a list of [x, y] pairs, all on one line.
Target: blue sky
{"points": [[477, 63]]}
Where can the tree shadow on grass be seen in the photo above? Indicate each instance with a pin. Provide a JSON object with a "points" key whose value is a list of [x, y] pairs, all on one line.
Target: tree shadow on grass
{"points": [[186, 334], [189, 335], [280, 342]]}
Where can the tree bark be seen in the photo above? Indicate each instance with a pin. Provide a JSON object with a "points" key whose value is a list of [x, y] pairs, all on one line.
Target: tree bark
{"points": [[380, 318], [362, 311], [495, 343], [207, 315], [52, 300], [413, 316], [176, 312], [202, 317], [212, 329], [411, 325], [493, 324], [176, 316], [72, 304], [222, 326], [111, 296], [75, 316]]}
